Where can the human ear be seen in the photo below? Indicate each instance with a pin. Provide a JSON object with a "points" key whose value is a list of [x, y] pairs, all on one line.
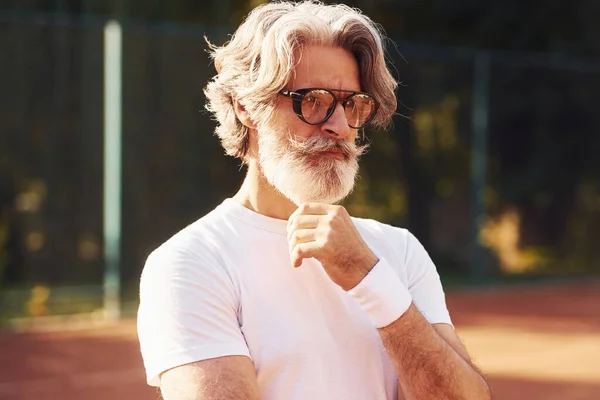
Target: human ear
{"points": [[242, 114]]}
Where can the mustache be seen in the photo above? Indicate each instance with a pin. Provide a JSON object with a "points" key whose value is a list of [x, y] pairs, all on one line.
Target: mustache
{"points": [[319, 144]]}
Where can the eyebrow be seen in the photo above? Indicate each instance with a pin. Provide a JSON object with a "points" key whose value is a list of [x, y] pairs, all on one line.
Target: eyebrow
{"points": [[336, 88], [340, 87], [325, 85]]}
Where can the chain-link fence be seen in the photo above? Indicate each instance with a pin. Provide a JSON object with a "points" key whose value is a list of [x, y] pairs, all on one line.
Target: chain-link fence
{"points": [[542, 183]]}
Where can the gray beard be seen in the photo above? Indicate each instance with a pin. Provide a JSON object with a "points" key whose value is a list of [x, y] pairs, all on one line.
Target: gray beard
{"points": [[304, 177]]}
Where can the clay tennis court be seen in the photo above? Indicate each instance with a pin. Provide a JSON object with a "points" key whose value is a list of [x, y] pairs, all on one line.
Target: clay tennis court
{"points": [[538, 342]]}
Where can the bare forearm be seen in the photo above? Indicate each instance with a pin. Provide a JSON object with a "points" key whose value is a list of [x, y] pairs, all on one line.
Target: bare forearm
{"points": [[427, 366], [221, 378]]}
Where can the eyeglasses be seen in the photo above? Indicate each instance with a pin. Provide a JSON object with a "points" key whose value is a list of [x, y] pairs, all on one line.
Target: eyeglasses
{"points": [[315, 105]]}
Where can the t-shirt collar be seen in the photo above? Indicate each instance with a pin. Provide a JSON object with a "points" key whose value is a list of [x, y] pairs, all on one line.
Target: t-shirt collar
{"points": [[238, 211]]}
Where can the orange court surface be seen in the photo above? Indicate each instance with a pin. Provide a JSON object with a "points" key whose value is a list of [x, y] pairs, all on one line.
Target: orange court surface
{"points": [[532, 342]]}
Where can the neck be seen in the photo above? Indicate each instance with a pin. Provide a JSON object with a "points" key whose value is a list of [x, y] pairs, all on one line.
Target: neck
{"points": [[258, 195]]}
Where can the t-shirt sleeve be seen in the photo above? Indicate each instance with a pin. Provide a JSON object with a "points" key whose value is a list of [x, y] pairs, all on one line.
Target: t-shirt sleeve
{"points": [[188, 312], [424, 283]]}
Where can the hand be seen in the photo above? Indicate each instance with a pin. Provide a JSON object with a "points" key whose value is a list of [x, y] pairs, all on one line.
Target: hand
{"points": [[327, 233]]}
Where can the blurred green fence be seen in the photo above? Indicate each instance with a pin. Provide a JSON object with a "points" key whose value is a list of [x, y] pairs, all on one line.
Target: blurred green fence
{"points": [[542, 196]]}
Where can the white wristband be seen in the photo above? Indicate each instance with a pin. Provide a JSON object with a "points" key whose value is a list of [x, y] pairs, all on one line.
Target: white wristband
{"points": [[382, 295]]}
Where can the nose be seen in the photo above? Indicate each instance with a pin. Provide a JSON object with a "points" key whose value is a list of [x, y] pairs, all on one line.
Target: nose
{"points": [[337, 125]]}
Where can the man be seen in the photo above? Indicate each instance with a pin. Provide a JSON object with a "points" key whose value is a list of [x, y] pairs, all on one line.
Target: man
{"points": [[278, 293]]}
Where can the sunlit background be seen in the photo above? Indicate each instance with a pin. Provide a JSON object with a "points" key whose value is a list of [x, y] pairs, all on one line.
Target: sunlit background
{"points": [[492, 162]]}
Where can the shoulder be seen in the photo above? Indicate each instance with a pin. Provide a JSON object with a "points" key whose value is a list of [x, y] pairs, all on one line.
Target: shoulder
{"points": [[195, 246], [373, 230], [371, 226], [396, 244], [407, 256], [187, 269]]}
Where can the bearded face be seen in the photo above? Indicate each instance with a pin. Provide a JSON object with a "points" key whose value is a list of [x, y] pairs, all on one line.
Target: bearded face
{"points": [[318, 169], [306, 147]]}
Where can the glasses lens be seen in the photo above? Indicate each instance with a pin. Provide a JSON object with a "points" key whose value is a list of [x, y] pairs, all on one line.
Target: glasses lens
{"points": [[316, 105], [359, 109]]}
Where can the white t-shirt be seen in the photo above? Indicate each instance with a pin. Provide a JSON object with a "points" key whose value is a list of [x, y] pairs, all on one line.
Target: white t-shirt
{"points": [[225, 285]]}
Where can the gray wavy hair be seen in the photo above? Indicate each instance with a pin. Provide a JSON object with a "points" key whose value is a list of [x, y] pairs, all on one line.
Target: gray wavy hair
{"points": [[258, 61]]}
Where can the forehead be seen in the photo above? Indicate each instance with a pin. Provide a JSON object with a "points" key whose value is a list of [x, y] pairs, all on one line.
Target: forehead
{"points": [[326, 67]]}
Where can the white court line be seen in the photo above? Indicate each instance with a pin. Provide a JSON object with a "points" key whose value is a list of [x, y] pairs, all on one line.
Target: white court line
{"points": [[73, 381]]}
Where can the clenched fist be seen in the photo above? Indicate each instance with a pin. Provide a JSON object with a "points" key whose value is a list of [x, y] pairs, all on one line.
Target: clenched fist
{"points": [[326, 233]]}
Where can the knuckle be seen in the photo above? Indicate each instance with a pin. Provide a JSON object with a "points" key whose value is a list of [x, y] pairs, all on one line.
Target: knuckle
{"points": [[329, 220], [296, 239], [340, 211], [331, 225], [294, 226]]}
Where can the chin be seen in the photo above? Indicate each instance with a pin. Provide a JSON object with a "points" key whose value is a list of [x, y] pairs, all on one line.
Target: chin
{"points": [[309, 185], [299, 198]]}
